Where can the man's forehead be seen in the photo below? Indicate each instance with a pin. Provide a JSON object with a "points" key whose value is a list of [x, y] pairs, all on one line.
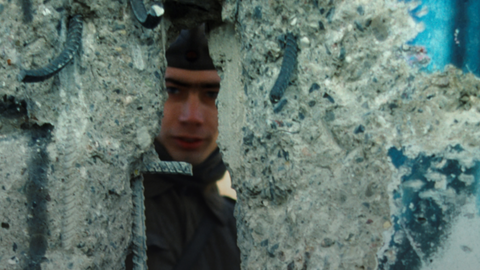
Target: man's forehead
{"points": [[192, 77]]}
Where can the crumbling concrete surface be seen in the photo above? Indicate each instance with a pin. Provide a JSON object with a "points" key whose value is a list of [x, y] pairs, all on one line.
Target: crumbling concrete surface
{"points": [[367, 161], [70, 143]]}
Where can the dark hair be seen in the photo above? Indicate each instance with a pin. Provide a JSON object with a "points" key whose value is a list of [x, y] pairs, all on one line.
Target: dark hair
{"points": [[190, 50]]}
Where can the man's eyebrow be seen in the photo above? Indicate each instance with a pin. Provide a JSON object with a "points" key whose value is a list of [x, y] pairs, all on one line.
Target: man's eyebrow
{"points": [[185, 84], [168, 80]]}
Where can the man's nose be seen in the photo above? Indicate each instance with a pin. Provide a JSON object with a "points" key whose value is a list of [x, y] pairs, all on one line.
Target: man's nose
{"points": [[192, 110]]}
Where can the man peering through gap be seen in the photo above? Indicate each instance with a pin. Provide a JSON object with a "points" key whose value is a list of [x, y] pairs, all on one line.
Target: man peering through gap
{"points": [[189, 225]]}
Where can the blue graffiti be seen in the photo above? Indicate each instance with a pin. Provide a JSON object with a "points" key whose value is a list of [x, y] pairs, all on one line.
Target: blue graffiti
{"points": [[422, 221], [451, 33]]}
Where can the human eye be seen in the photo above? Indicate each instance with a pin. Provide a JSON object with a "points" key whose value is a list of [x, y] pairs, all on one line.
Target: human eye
{"points": [[212, 94], [172, 90]]}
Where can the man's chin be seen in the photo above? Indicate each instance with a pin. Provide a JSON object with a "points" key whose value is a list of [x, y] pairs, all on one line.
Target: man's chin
{"points": [[188, 156], [192, 152]]}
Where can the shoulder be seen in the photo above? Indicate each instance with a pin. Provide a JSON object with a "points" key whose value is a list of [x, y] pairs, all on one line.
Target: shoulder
{"points": [[229, 201], [229, 205]]}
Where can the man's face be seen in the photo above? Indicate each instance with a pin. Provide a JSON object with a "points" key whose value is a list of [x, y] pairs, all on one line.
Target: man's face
{"points": [[190, 123]]}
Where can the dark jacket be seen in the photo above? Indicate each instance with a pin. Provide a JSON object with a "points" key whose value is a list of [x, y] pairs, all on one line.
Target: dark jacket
{"points": [[174, 207]]}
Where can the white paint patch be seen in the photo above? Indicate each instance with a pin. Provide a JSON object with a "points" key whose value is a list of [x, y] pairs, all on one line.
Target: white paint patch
{"points": [[293, 21], [416, 185], [143, 137], [422, 12], [305, 41], [442, 184], [13, 260], [45, 10], [138, 58], [462, 248], [89, 41], [435, 176], [127, 100], [467, 179], [158, 10], [83, 172]]}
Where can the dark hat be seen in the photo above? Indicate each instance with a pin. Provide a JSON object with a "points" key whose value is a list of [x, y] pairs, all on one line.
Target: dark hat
{"points": [[190, 51]]}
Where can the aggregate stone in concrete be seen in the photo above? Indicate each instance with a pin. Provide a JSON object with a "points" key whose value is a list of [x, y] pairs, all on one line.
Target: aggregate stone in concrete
{"points": [[363, 157], [70, 143], [319, 181]]}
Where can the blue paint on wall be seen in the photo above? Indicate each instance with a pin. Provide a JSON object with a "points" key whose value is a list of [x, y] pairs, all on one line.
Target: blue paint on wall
{"points": [[477, 176], [424, 211], [451, 34]]}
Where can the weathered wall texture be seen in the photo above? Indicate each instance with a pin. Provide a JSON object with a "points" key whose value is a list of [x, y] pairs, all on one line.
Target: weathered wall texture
{"points": [[69, 144], [372, 163], [368, 162]]}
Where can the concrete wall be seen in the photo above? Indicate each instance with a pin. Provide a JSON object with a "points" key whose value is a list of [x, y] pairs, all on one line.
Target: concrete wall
{"points": [[371, 162], [70, 144]]}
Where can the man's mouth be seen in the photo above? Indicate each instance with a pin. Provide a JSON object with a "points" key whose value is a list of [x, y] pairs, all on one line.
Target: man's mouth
{"points": [[188, 143]]}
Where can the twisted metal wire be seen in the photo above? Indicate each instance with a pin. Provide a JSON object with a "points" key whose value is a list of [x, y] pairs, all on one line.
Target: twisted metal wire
{"points": [[139, 236], [74, 39], [288, 65], [171, 167], [148, 19], [70, 191]]}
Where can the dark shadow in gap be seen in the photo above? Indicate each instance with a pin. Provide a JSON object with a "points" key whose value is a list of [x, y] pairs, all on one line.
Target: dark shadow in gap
{"points": [[37, 194]]}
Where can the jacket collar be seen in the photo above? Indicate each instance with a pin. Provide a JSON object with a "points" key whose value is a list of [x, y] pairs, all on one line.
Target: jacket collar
{"points": [[205, 176]]}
